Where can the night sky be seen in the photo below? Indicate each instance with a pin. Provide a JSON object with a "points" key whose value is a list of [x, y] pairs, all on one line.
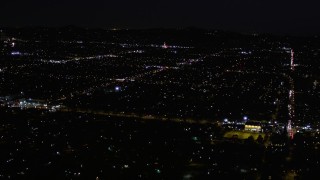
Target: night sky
{"points": [[273, 16]]}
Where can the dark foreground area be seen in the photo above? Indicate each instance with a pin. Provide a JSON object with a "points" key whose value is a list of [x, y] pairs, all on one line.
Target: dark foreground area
{"points": [[40, 145]]}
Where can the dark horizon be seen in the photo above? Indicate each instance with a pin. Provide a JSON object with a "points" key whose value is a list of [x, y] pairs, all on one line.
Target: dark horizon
{"points": [[165, 28], [273, 17]]}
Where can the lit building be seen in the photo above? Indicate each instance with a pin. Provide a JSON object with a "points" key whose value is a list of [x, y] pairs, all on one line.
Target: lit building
{"points": [[164, 46], [253, 126]]}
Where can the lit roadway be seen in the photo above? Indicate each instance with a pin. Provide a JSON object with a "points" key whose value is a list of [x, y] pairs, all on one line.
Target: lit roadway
{"points": [[132, 78], [136, 115]]}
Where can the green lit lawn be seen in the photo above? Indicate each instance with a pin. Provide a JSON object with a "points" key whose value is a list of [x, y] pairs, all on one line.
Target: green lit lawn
{"points": [[243, 134]]}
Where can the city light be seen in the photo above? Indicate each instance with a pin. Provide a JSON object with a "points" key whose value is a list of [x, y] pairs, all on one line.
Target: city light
{"points": [[81, 103]]}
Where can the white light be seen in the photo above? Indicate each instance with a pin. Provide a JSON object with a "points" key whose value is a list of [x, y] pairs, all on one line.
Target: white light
{"points": [[15, 53]]}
